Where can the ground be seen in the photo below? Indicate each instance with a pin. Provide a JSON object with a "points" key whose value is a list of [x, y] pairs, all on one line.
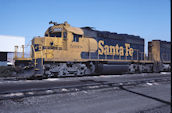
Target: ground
{"points": [[146, 98]]}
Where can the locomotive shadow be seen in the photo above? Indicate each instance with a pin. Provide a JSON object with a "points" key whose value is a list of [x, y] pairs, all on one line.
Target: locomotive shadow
{"points": [[144, 95]]}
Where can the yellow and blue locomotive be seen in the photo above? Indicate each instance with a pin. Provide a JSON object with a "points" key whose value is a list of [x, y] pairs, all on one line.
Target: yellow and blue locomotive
{"points": [[70, 51]]}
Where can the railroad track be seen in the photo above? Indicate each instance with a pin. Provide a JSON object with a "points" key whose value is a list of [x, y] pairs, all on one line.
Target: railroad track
{"points": [[85, 85], [18, 78]]}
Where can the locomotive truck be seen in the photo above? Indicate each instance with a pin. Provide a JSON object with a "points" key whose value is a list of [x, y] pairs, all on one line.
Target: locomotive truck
{"points": [[70, 51]]}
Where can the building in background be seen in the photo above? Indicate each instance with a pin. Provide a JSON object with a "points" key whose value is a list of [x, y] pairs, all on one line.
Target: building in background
{"points": [[7, 48]]}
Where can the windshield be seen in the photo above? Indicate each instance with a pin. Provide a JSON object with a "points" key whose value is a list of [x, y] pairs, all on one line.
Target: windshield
{"points": [[56, 34]]}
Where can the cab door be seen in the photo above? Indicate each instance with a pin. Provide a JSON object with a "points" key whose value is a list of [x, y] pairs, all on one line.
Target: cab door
{"points": [[64, 36]]}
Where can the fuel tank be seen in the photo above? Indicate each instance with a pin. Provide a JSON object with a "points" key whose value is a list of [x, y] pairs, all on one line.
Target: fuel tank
{"points": [[112, 68]]}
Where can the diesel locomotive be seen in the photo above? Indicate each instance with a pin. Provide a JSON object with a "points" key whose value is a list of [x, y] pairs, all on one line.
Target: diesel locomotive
{"points": [[72, 51]]}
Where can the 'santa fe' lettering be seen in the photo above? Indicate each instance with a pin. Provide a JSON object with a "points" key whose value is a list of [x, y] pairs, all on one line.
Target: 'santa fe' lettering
{"points": [[114, 50]]}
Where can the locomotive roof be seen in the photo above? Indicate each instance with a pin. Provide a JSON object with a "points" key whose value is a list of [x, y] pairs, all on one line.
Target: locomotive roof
{"points": [[66, 26], [162, 41], [92, 32], [109, 34]]}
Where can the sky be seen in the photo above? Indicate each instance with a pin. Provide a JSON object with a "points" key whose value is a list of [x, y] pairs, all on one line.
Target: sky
{"points": [[149, 19]]}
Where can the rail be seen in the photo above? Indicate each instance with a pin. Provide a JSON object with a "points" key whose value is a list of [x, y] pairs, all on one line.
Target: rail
{"points": [[137, 55], [91, 85]]}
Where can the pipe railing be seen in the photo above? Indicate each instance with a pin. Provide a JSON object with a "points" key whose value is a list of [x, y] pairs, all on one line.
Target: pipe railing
{"points": [[137, 55]]}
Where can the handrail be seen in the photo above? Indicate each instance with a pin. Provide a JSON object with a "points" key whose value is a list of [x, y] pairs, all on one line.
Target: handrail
{"points": [[15, 52], [138, 53], [34, 54], [41, 55]]}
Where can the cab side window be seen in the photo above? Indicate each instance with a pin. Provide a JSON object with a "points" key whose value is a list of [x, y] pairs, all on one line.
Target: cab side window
{"points": [[76, 37], [65, 35]]}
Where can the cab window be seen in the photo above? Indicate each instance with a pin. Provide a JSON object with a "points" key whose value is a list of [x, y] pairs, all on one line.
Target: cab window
{"points": [[76, 37], [56, 34]]}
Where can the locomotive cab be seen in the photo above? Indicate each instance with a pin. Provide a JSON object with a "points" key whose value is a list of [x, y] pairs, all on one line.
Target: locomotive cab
{"points": [[60, 41]]}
